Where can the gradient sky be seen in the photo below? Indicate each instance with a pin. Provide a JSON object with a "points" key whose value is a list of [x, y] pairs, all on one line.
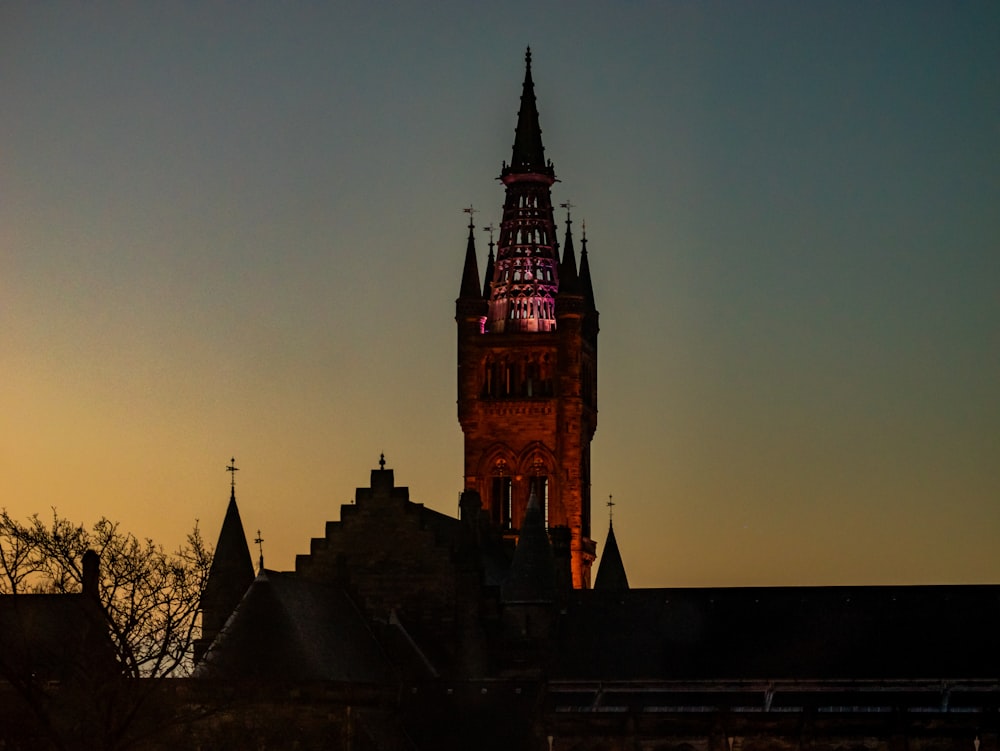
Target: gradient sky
{"points": [[235, 229]]}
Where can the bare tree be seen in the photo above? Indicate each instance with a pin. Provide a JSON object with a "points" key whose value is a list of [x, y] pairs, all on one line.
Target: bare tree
{"points": [[150, 596], [146, 611]]}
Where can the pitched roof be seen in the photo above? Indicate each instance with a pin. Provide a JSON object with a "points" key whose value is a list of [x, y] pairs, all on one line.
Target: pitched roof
{"points": [[904, 632], [289, 628]]}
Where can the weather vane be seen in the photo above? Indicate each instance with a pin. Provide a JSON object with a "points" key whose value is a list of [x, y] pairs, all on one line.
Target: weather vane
{"points": [[491, 229], [569, 208], [471, 212], [259, 542], [233, 469], [611, 507]]}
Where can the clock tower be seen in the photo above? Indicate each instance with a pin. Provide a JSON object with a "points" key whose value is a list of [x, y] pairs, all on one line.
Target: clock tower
{"points": [[527, 356]]}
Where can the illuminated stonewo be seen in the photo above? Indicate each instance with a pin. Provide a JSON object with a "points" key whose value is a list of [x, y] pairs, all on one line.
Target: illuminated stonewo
{"points": [[527, 357]]}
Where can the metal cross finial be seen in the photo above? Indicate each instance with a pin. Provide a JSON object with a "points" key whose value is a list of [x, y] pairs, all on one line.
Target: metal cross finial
{"points": [[471, 212], [569, 208], [233, 469], [259, 542], [381, 461], [611, 507]]}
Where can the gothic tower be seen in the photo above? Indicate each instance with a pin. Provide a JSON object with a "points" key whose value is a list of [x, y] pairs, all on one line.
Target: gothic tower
{"points": [[527, 356]]}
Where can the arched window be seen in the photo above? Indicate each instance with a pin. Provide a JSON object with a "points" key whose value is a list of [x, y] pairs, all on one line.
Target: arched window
{"points": [[539, 485], [501, 500]]}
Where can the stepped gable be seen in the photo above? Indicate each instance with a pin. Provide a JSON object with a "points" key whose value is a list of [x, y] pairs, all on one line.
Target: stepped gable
{"points": [[402, 563]]}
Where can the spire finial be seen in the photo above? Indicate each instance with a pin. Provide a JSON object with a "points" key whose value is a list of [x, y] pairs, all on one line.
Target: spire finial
{"points": [[471, 212], [611, 508], [569, 208], [381, 461], [491, 229], [259, 542], [232, 469], [527, 56], [583, 227]]}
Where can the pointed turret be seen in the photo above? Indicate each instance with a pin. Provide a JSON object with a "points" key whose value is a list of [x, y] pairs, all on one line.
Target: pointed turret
{"points": [[586, 285], [569, 280], [611, 575], [470, 272], [229, 577], [488, 277], [590, 320], [528, 154]]}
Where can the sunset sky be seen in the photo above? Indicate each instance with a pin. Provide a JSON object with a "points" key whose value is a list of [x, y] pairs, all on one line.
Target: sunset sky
{"points": [[236, 229]]}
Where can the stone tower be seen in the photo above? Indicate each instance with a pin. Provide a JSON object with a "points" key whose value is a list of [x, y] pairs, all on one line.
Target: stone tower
{"points": [[527, 356]]}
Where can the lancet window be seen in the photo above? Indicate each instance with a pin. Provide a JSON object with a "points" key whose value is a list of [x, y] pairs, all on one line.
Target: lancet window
{"points": [[502, 503]]}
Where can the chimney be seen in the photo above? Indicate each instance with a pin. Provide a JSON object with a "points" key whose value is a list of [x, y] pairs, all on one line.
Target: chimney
{"points": [[91, 574]]}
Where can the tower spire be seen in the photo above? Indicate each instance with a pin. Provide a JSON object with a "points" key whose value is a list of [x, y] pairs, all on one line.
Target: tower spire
{"points": [[586, 285], [528, 155], [470, 272], [611, 576], [527, 366], [230, 574], [490, 263], [525, 275], [568, 277]]}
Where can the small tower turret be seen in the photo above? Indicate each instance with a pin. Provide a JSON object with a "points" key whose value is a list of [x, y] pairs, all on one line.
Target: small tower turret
{"points": [[230, 575], [611, 575]]}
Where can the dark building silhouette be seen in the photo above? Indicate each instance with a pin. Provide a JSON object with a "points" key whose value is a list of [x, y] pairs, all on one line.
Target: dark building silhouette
{"points": [[527, 357], [405, 628]]}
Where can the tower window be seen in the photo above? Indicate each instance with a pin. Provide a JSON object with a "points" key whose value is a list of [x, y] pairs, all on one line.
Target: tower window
{"points": [[540, 487], [502, 505]]}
